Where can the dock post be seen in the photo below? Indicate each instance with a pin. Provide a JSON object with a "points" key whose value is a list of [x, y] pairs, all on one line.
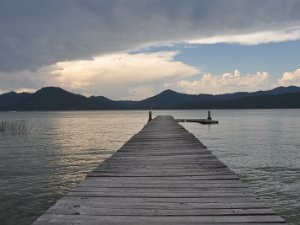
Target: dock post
{"points": [[150, 116], [209, 116]]}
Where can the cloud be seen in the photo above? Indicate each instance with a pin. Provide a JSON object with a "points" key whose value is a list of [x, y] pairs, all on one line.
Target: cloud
{"points": [[120, 72], [27, 80], [27, 90], [225, 83], [116, 75], [121, 69], [290, 78], [37, 33], [139, 93], [255, 38]]}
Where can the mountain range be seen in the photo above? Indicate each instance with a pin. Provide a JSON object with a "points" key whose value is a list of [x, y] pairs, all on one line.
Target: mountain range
{"points": [[55, 98]]}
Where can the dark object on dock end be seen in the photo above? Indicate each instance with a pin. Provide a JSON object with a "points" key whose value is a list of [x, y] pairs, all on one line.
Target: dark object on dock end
{"points": [[209, 116], [150, 116]]}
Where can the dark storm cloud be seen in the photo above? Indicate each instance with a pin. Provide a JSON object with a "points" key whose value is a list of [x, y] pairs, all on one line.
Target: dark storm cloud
{"points": [[34, 33]]}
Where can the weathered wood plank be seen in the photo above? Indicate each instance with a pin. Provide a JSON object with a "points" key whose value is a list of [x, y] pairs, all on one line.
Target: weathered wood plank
{"points": [[90, 219], [131, 200], [177, 190], [127, 211], [159, 195], [162, 185], [152, 203], [171, 179], [91, 222]]}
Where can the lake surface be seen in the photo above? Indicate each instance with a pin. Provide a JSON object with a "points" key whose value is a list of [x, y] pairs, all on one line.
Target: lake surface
{"points": [[58, 149]]}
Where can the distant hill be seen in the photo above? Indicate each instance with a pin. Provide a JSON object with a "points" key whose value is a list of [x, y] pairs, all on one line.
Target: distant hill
{"points": [[173, 100], [169, 99], [10, 101], [54, 98], [101, 102], [286, 100]]}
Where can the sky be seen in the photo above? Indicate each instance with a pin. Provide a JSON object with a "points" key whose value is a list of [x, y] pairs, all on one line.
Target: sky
{"points": [[133, 49]]}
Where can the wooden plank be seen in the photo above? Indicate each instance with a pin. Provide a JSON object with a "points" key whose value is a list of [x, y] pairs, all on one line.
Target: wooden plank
{"points": [[183, 201], [127, 211], [162, 175], [93, 222], [161, 185], [158, 195], [90, 219], [171, 179], [152, 203], [177, 190]]}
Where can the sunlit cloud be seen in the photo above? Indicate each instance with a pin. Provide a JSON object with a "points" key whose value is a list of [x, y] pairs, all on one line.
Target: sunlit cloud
{"points": [[290, 78], [255, 38], [225, 83], [121, 71], [119, 75], [27, 90]]}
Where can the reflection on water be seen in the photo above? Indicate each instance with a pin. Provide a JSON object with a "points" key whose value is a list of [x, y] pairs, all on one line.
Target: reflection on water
{"points": [[262, 146], [62, 147]]}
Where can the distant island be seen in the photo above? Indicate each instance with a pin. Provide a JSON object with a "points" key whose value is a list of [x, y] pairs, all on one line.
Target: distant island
{"points": [[55, 98]]}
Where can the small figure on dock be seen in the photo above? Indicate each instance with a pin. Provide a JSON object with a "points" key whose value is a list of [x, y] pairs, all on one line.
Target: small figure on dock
{"points": [[209, 116], [150, 115]]}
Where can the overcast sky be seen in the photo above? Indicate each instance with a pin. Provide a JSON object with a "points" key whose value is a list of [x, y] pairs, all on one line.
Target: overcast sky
{"points": [[132, 49]]}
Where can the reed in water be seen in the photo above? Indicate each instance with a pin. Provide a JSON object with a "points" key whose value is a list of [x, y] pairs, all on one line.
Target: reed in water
{"points": [[14, 128]]}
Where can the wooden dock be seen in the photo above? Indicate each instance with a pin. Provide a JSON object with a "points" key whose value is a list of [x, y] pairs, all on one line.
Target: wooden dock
{"points": [[162, 176], [202, 121]]}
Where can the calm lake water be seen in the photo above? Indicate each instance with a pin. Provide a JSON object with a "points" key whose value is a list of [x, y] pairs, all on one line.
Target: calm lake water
{"points": [[58, 149]]}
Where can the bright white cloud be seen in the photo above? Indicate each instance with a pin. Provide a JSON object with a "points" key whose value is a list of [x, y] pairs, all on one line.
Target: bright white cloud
{"points": [[225, 83], [255, 38], [290, 78]]}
